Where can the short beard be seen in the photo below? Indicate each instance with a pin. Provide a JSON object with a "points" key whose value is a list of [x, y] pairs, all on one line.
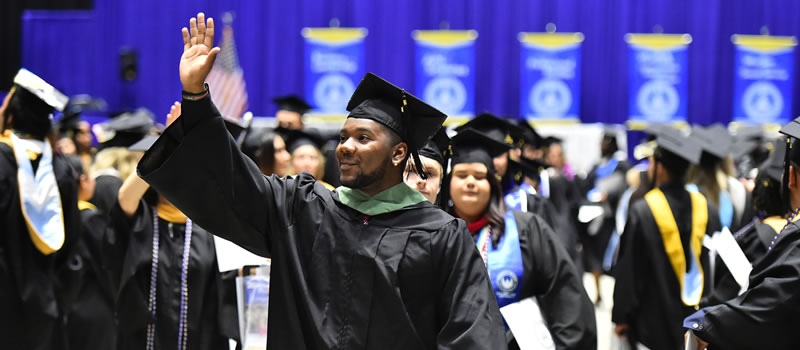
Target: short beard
{"points": [[364, 180]]}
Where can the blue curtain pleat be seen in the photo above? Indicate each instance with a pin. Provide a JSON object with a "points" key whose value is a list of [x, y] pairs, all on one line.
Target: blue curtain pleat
{"points": [[79, 50]]}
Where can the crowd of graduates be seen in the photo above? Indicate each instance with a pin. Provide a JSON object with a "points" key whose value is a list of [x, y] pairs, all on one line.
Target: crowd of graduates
{"points": [[383, 235]]}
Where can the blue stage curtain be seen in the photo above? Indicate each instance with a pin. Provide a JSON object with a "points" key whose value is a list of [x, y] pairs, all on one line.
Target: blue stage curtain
{"points": [[270, 47]]}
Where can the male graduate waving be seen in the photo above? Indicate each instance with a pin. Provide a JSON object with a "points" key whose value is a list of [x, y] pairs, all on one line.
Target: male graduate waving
{"points": [[372, 265]]}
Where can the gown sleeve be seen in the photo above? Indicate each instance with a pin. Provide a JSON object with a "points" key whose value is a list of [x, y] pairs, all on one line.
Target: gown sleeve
{"points": [[197, 166], [762, 317], [467, 308], [566, 308]]}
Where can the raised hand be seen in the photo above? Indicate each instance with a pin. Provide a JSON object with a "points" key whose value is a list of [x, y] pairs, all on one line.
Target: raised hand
{"points": [[174, 113], [198, 53]]}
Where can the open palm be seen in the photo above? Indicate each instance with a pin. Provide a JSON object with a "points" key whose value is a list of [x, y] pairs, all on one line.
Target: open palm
{"points": [[198, 53]]}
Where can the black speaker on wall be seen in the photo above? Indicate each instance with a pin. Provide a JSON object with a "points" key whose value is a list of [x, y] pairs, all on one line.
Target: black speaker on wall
{"points": [[128, 64]]}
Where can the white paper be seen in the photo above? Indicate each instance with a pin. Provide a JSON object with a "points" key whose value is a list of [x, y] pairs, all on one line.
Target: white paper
{"points": [[525, 320], [232, 257], [733, 257]]}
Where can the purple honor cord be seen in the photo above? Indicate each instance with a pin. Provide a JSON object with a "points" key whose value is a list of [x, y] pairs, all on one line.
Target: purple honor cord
{"points": [[183, 329]]}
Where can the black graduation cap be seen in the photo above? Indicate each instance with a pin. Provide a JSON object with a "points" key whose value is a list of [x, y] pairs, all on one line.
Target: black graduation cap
{"points": [[672, 140], [773, 166], [525, 167], [297, 138], [415, 121], [125, 129], [792, 131], [144, 144], [37, 93], [529, 135], [292, 103], [495, 127], [715, 140], [438, 148], [472, 146]]}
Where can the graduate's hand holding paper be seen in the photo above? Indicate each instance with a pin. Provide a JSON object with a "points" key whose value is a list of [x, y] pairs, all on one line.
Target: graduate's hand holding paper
{"points": [[198, 53]]}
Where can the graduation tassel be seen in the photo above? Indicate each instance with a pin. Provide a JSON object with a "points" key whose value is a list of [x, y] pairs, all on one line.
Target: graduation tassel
{"points": [[414, 152]]}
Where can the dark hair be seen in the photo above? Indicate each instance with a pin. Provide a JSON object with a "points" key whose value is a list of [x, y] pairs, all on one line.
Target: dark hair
{"points": [[264, 155], [31, 116], [675, 165], [765, 193], [497, 206]]}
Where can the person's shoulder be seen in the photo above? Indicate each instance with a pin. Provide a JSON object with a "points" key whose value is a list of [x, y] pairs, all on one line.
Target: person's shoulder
{"points": [[425, 217]]}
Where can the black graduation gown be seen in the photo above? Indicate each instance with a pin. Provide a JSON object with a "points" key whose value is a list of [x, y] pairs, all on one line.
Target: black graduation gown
{"points": [[91, 321], [32, 291], [134, 252], [647, 293], [408, 279], [764, 316], [754, 239], [550, 275]]}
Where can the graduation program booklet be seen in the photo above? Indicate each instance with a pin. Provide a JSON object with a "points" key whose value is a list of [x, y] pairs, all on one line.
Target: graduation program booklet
{"points": [[525, 320]]}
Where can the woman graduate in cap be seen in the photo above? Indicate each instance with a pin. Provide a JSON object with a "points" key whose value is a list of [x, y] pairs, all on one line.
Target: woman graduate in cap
{"points": [[765, 315], [662, 271], [521, 252], [371, 265], [754, 238], [166, 269], [38, 219], [307, 155], [712, 177], [434, 157]]}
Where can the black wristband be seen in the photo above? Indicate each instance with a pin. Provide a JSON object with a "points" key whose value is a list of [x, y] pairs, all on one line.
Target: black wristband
{"points": [[195, 97]]}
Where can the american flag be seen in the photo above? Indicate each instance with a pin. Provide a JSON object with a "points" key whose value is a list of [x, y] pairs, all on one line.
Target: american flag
{"points": [[226, 79]]}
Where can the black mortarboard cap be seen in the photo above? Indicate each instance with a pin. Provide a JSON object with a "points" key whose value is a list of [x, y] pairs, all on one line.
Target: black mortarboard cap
{"points": [[495, 127], [144, 144], [715, 140], [773, 166], [413, 120], [34, 91], [296, 138], [125, 129], [525, 167], [672, 140], [529, 135], [472, 146], [292, 103], [438, 148]]}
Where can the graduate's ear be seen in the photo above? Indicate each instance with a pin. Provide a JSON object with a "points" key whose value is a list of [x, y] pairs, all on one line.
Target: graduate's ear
{"points": [[793, 176], [399, 153]]}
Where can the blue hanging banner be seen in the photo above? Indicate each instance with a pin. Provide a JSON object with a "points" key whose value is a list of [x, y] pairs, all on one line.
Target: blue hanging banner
{"points": [[658, 77], [334, 65], [762, 79], [550, 75], [445, 70]]}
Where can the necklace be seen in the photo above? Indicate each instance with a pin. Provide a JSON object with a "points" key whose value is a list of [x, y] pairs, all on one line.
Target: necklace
{"points": [[788, 221], [183, 329]]}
